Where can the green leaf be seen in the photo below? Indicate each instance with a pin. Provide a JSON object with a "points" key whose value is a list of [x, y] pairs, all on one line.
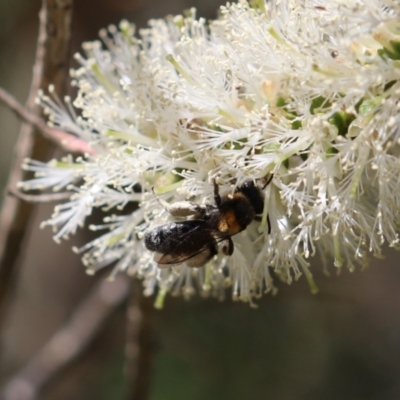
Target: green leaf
{"points": [[342, 121], [317, 103]]}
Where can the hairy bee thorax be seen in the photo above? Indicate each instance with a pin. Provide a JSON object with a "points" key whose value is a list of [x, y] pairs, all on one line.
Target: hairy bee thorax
{"points": [[236, 212], [228, 223]]}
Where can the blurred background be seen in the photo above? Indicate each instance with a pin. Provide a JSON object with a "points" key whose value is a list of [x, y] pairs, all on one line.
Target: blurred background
{"points": [[343, 343]]}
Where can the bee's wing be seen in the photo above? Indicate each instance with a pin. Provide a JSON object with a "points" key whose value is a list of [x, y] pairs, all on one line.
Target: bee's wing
{"points": [[169, 259], [198, 245]]}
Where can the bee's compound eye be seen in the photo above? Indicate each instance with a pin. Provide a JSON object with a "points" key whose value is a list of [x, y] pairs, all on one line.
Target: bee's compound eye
{"points": [[247, 185]]}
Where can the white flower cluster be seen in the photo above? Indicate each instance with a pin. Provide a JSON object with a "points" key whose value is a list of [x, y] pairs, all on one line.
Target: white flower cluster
{"points": [[306, 90]]}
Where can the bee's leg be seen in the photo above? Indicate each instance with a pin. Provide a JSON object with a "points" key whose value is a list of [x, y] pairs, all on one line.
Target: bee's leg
{"points": [[259, 219], [228, 250], [205, 256], [217, 197], [213, 248], [182, 208]]}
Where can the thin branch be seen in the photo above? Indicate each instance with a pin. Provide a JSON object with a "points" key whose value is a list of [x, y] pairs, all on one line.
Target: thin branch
{"points": [[70, 341], [64, 140], [40, 198], [51, 66]]}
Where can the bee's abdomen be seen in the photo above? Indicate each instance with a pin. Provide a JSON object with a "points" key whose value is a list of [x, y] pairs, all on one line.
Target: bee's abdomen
{"points": [[163, 238], [154, 239]]}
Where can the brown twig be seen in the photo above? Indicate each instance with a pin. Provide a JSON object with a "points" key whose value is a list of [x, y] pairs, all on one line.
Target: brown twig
{"points": [[64, 140], [51, 66], [69, 342]]}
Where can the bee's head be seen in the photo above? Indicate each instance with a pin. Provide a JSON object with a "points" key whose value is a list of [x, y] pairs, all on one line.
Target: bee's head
{"points": [[253, 193]]}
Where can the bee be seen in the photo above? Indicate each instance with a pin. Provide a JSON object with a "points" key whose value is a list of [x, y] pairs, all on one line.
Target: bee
{"points": [[195, 241]]}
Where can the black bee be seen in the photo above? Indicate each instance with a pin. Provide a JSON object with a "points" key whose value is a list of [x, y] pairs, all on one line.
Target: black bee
{"points": [[195, 241]]}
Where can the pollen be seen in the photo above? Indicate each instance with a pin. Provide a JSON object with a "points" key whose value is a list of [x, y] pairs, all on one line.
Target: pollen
{"points": [[229, 224]]}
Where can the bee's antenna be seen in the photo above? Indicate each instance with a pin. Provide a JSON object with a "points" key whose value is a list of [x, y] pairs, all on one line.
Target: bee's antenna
{"points": [[268, 182], [217, 197]]}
